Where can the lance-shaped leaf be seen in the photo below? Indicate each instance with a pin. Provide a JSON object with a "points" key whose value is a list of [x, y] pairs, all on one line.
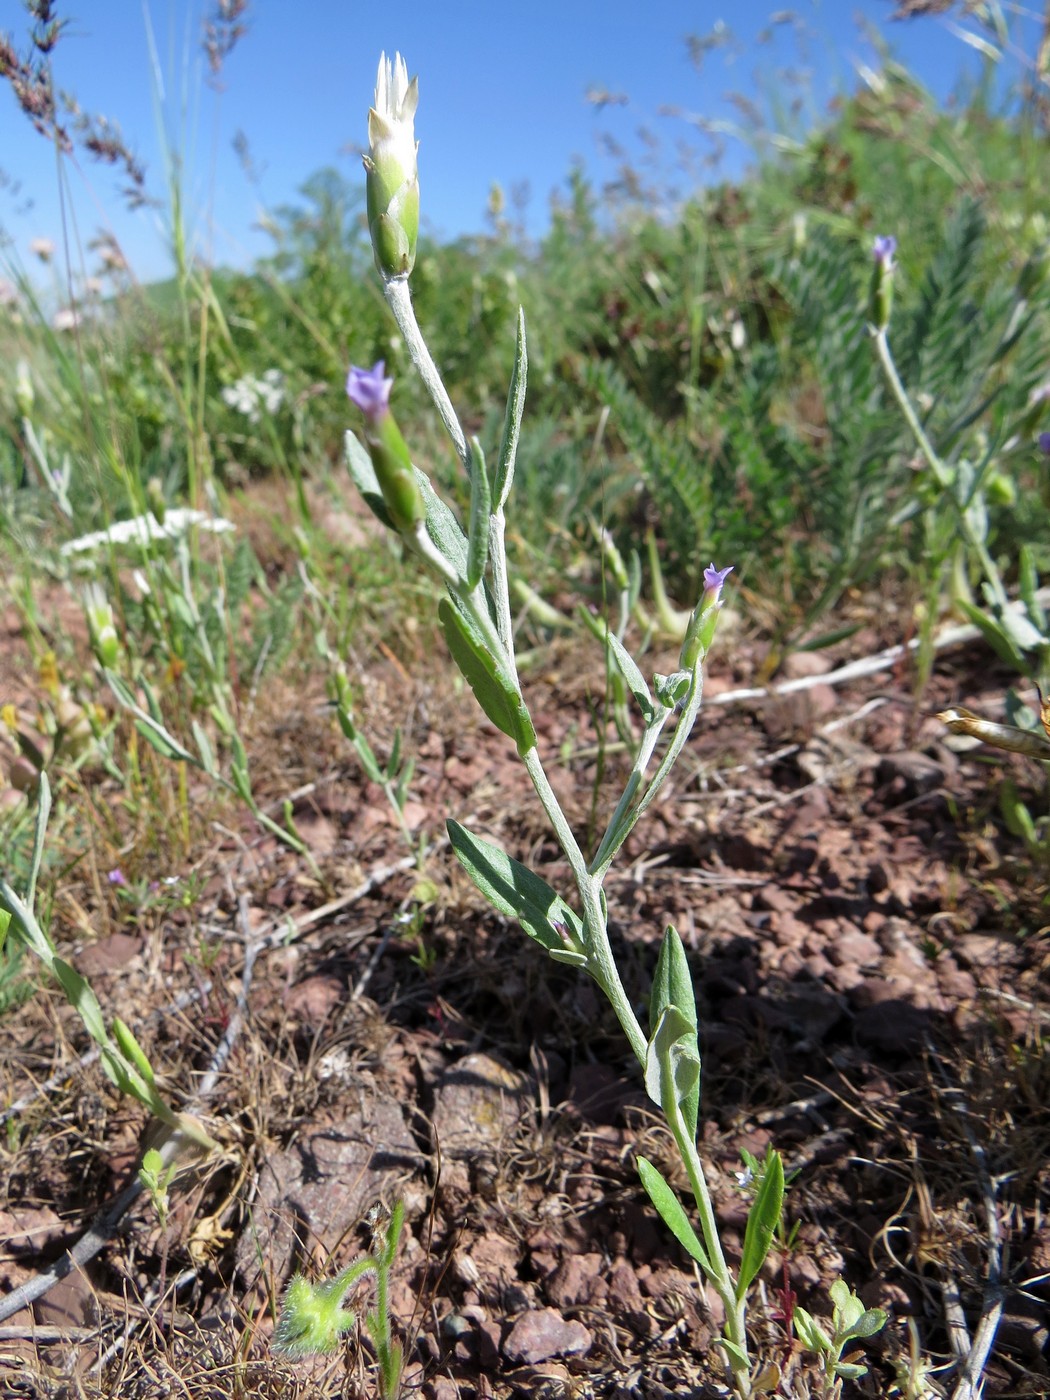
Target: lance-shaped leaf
{"points": [[762, 1220], [43, 813], [673, 986], [480, 507], [519, 893], [508, 448], [672, 1063], [669, 1209], [493, 689], [442, 525]]}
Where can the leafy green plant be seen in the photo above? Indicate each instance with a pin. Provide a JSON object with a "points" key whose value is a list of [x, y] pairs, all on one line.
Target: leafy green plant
{"points": [[850, 1322], [123, 1059], [476, 619], [314, 1317]]}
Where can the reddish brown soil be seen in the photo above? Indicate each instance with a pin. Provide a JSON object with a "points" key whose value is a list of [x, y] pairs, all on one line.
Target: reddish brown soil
{"points": [[871, 964]]}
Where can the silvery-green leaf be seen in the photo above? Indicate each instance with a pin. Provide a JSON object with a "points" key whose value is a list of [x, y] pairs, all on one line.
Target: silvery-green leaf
{"points": [[672, 1064], [673, 986], [493, 689], [508, 448], [669, 1208], [762, 1221], [517, 892]]}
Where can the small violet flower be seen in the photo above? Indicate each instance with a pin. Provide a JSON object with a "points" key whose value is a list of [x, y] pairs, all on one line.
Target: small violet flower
{"points": [[713, 581], [883, 251], [116, 876], [701, 630], [1044, 443], [370, 391], [880, 294]]}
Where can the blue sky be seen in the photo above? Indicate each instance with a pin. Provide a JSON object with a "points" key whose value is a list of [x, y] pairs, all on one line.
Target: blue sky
{"points": [[503, 97]]}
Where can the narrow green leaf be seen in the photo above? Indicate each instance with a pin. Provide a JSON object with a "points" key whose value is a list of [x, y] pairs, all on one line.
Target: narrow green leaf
{"points": [[628, 668], [480, 508], [27, 927], [205, 750], [1028, 587], [829, 639], [5, 924], [493, 689], [82, 999], [735, 1353], [393, 762], [132, 1050], [43, 812], [516, 891], [762, 1221], [443, 527], [673, 986], [993, 634], [508, 448], [669, 1209], [161, 741]]}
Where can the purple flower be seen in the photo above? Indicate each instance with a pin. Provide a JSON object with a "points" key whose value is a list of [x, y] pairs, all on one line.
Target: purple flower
{"points": [[1044, 443], [369, 391], [713, 581], [116, 876], [883, 250]]}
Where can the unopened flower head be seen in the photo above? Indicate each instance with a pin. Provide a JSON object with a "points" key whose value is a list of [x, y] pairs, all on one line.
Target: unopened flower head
{"points": [[880, 294], [701, 630], [312, 1318], [393, 182], [883, 250], [101, 625], [369, 390]]}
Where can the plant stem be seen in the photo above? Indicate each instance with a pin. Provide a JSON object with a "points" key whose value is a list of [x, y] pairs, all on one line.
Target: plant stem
{"points": [[399, 299], [720, 1277], [940, 472], [600, 961]]}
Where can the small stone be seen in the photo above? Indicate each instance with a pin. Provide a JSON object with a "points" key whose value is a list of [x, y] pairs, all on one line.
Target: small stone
{"points": [[539, 1335], [578, 1280]]}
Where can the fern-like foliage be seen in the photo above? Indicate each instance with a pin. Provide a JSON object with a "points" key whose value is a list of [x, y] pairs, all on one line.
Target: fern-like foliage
{"points": [[674, 471]]}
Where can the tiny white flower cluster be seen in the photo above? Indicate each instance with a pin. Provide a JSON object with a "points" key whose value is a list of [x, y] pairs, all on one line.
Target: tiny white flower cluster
{"points": [[253, 397], [145, 528]]}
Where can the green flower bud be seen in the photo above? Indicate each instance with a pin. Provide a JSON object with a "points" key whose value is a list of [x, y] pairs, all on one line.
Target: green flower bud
{"points": [[880, 294], [701, 630], [312, 1318], [104, 639], [392, 180], [24, 389], [155, 499]]}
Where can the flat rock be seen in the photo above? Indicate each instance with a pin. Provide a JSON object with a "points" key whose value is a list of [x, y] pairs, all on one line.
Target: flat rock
{"points": [[543, 1333], [313, 1194], [478, 1105]]}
